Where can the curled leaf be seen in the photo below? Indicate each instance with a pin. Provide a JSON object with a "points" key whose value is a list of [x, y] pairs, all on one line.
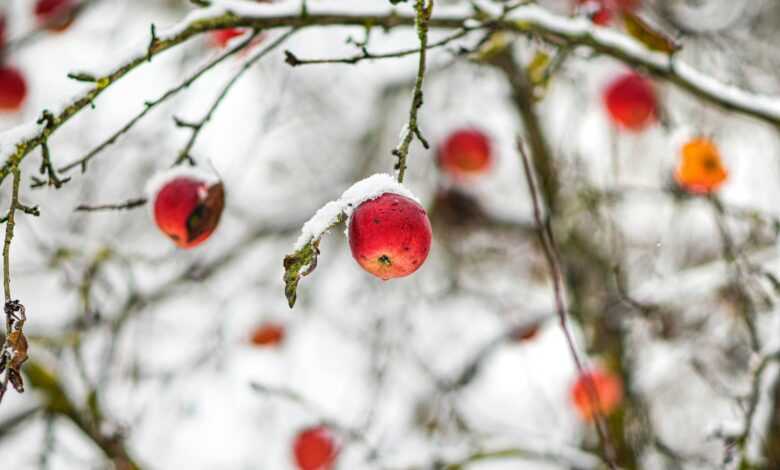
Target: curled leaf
{"points": [[303, 262]]}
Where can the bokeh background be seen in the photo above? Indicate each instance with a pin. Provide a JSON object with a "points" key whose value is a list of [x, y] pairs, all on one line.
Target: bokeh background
{"points": [[415, 373]]}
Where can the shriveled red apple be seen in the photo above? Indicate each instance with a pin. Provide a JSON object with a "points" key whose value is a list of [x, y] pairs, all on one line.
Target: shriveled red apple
{"points": [[188, 206]]}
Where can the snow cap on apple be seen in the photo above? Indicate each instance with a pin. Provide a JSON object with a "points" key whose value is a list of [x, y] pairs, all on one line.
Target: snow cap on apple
{"points": [[187, 204], [388, 229]]}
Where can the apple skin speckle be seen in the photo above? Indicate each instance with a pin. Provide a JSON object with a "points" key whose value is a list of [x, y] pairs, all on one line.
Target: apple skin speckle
{"points": [[390, 236]]}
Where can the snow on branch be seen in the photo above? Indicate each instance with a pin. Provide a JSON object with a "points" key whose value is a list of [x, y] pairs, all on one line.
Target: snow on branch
{"points": [[581, 31], [303, 260], [520, 18]]}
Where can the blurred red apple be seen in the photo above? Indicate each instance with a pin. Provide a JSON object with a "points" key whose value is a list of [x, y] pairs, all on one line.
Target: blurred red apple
{"points": [[631, 102], [315, 449], [596, 383], [464, 153], [602, 12], [222, 37], [188, 209], [390, 236], [268, 334], [55, 15], [13, 88]]}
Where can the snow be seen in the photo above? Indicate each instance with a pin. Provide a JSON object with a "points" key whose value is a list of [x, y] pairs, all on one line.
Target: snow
{"points": [[160, 179], [283, 146], [769, 105], [364, 190], [10, 138]]}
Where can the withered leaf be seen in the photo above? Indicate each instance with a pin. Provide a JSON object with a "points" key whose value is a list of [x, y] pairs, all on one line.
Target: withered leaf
{"points": [[655, 40]]}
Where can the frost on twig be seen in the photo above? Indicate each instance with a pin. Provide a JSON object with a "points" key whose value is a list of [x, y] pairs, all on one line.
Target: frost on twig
{"points": [[303, 260]]}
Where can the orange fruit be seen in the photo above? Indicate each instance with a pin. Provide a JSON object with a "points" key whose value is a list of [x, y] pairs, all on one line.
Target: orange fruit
{"points": [[701, 169]]}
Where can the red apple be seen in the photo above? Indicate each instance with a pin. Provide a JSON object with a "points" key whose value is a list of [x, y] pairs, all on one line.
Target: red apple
{"points": [[187, 208], [221, 37], [268, 334], [55, 15], [602, 12], [390, 236], [631, 102], [596, 383], [13, 88], [466, 152], [315, 448]]}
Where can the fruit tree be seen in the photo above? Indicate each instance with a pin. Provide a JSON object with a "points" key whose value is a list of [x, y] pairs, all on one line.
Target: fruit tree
{"points": [[390, 234]]}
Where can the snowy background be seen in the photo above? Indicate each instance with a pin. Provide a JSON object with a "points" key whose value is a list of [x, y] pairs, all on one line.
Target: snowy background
{"points": [[162, 334]]}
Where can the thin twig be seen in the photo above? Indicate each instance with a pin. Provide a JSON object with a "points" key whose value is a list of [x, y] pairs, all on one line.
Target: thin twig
{"points": [[412, 130], [129, 204], [548, 26], [747, 309], [9, 234], [294, 60], [547, 241], [198, 126], [150, 105]]}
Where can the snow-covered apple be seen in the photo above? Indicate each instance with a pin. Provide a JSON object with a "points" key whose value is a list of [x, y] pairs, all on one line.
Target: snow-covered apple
{"points": [[55, 15], [390, 236], [267, 335], [631, 102], [465, 153], [315, 448], [592, 384], [13, 89], [187, 205]]}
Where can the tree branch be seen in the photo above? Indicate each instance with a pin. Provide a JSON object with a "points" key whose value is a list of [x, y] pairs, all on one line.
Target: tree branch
{"points": [[551, 27]]}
